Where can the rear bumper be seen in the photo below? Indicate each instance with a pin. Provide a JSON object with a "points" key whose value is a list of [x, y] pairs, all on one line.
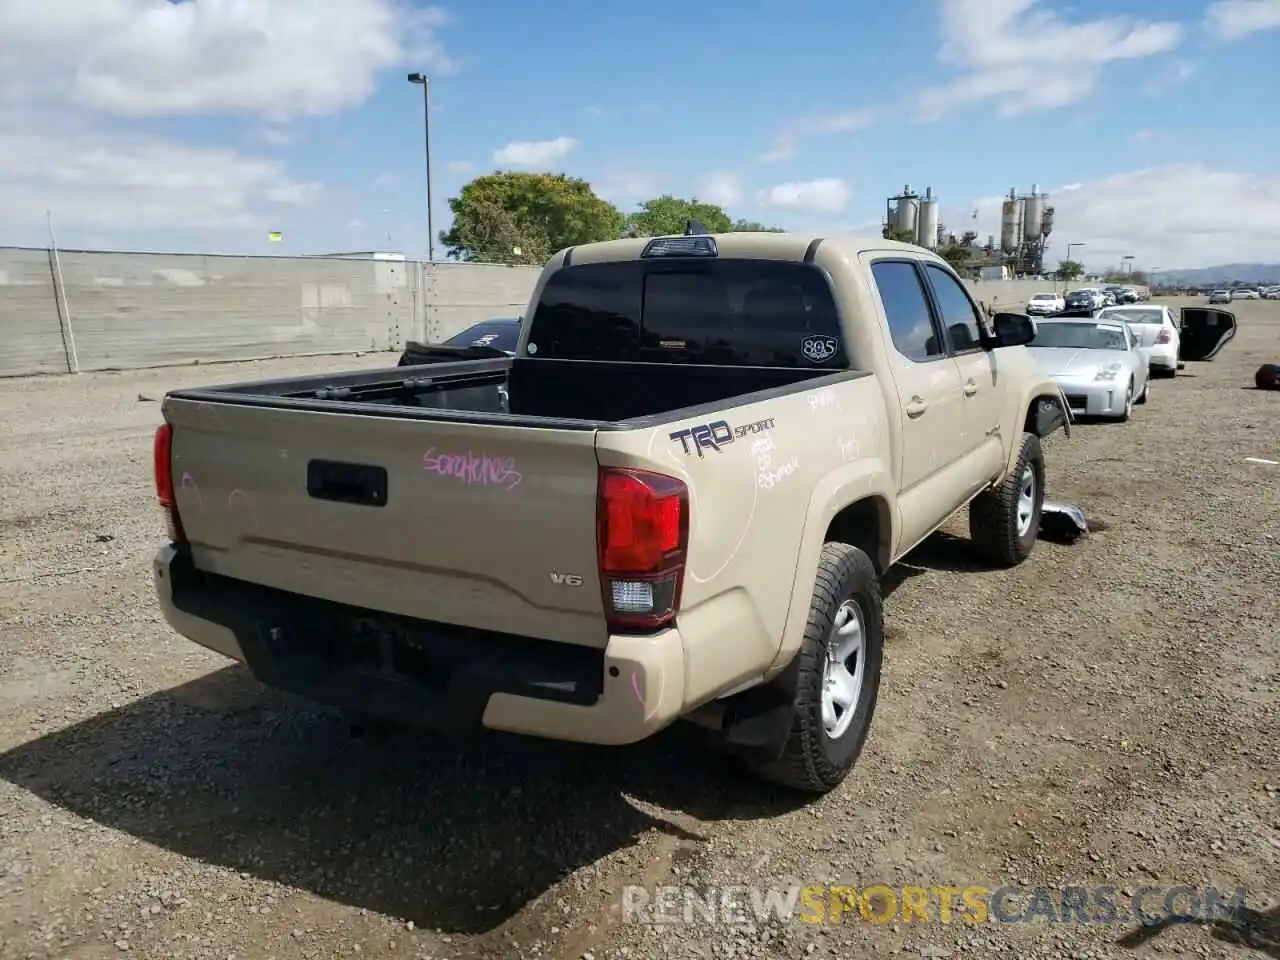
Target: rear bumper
{"points": [[427, 674], [1164, 356]]}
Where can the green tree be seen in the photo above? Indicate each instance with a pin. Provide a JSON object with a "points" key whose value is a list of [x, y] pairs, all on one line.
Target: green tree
{"points": [[890, 232], [1069, 269], [750, 226], [513, 217], [666, 215], [957, 255]]}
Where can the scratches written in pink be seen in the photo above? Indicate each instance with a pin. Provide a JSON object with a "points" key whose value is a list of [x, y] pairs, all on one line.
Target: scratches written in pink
{"points": [[473, 468]]}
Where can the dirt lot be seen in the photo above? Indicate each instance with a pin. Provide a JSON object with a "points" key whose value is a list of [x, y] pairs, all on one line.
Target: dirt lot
{"points": [[1106, 714]]}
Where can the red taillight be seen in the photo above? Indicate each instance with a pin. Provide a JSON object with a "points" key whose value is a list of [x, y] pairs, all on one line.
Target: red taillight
{"points": [[642, 536], [1165, 335], [162, 455]]}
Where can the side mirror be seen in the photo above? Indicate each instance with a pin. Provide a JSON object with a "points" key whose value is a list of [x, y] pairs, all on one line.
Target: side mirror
{"points": [[1013, 329]]}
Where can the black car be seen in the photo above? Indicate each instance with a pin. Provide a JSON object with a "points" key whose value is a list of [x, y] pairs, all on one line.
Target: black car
{"points": [[1080, 302], [501, 333], [488, 338]]}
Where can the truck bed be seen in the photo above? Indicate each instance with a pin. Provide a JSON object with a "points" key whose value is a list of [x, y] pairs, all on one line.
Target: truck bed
{"points": [[429, 493], [570, 394]]}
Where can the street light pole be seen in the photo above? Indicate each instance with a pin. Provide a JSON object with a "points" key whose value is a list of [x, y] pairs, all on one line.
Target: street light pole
{"points": [[420, 78], [1069, 260]]}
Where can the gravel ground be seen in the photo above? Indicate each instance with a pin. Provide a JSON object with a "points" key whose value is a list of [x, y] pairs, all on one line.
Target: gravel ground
{"points": [[1105, 714]]}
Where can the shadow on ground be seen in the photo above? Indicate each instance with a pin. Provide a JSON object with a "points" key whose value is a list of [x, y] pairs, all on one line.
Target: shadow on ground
{"points": [[452, 833], [1252, 929]]}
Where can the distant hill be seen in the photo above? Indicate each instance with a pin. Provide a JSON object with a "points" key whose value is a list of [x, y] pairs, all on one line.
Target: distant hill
{"points": [[1227, 274]]}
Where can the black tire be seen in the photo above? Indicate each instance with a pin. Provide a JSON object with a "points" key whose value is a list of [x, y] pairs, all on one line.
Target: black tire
{"points": [[993, 514], [812, 760], [1128, 404], [1267, 377], [1146, 391]]}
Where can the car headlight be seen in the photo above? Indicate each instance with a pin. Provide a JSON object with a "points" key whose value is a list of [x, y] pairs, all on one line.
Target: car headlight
{"points": [[1107, 373]]}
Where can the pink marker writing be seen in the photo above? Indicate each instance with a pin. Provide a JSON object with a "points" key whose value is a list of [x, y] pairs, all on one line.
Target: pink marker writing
{"points": [[473, 468]]}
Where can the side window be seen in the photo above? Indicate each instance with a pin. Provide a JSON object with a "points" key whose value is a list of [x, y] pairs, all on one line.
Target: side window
{"points": [[907, 309], [958, 315]]}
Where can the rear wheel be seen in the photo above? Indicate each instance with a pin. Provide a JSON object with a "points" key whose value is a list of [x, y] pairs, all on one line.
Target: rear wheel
{"points": [[835, 676], [1005, 520]]}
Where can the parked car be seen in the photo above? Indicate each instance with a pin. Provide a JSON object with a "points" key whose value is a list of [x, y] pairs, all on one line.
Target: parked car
{"points": [[1244, 294], [496, 337], [1271, 293], [715, 447], [1157, 330], [1099, 366], [500, 333], [1220, 296], [1080, 302], [1045, 304]]}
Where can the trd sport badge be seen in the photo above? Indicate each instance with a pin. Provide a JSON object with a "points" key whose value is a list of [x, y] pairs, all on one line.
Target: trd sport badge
{"points": [[819, 349]]}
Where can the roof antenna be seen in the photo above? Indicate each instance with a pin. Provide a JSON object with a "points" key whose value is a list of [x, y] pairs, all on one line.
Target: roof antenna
{"points": [[694, 228]]}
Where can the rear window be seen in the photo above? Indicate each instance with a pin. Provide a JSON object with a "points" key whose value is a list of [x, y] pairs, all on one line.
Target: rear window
{"points": [[730, 312], [1133, 316]]}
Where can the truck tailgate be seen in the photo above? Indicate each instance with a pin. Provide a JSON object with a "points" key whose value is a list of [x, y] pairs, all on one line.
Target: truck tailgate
{"points": [[482, 526]]}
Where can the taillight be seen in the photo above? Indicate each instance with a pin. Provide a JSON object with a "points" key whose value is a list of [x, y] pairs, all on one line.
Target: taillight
{"points": [[642, 538], [1165, 335], [162, 451]]}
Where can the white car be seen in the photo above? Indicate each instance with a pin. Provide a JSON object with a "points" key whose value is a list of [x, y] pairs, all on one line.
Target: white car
{"points": [[1219, 296], [1244, 295], [1045, 304], [1099, 366], [1157, 332]]}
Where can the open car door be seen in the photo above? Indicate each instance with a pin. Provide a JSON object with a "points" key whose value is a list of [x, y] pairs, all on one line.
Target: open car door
{"points": [[1203, 331]]}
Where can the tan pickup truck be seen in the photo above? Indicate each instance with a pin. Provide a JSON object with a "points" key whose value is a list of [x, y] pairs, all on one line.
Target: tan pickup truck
{"points": [[675, 501]]}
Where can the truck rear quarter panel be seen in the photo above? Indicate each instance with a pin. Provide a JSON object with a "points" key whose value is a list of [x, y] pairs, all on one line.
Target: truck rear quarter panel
{"points": [[765, 476]]}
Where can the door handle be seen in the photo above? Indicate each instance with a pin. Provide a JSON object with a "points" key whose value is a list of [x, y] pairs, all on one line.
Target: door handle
{"points": [[916, 407], [970, 388]]}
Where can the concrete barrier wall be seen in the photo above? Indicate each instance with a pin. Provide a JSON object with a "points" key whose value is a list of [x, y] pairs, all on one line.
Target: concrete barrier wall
{"points": [[113, 311]]}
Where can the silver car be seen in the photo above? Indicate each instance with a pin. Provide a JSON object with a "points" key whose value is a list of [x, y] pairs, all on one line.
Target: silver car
{"points": [[1099, 365]]}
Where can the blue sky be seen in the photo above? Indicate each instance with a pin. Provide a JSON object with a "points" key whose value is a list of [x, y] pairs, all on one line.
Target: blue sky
{"points": [[205, 125]]}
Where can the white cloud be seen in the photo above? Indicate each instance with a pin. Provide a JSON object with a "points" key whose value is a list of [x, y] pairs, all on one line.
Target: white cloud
{"points": [[1233, 19], [275, 135], [1185, 215], [1165, 80], [723, 189], [626, 188], [459, 166], [829, 195], [1029, 58], [534, 153], [786, 140], [386, 179], [278, 58], [75, 77], [95, 181]]}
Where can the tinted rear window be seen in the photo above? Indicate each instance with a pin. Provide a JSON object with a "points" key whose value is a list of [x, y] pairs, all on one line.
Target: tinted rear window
{"points": [[731, 312]]}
